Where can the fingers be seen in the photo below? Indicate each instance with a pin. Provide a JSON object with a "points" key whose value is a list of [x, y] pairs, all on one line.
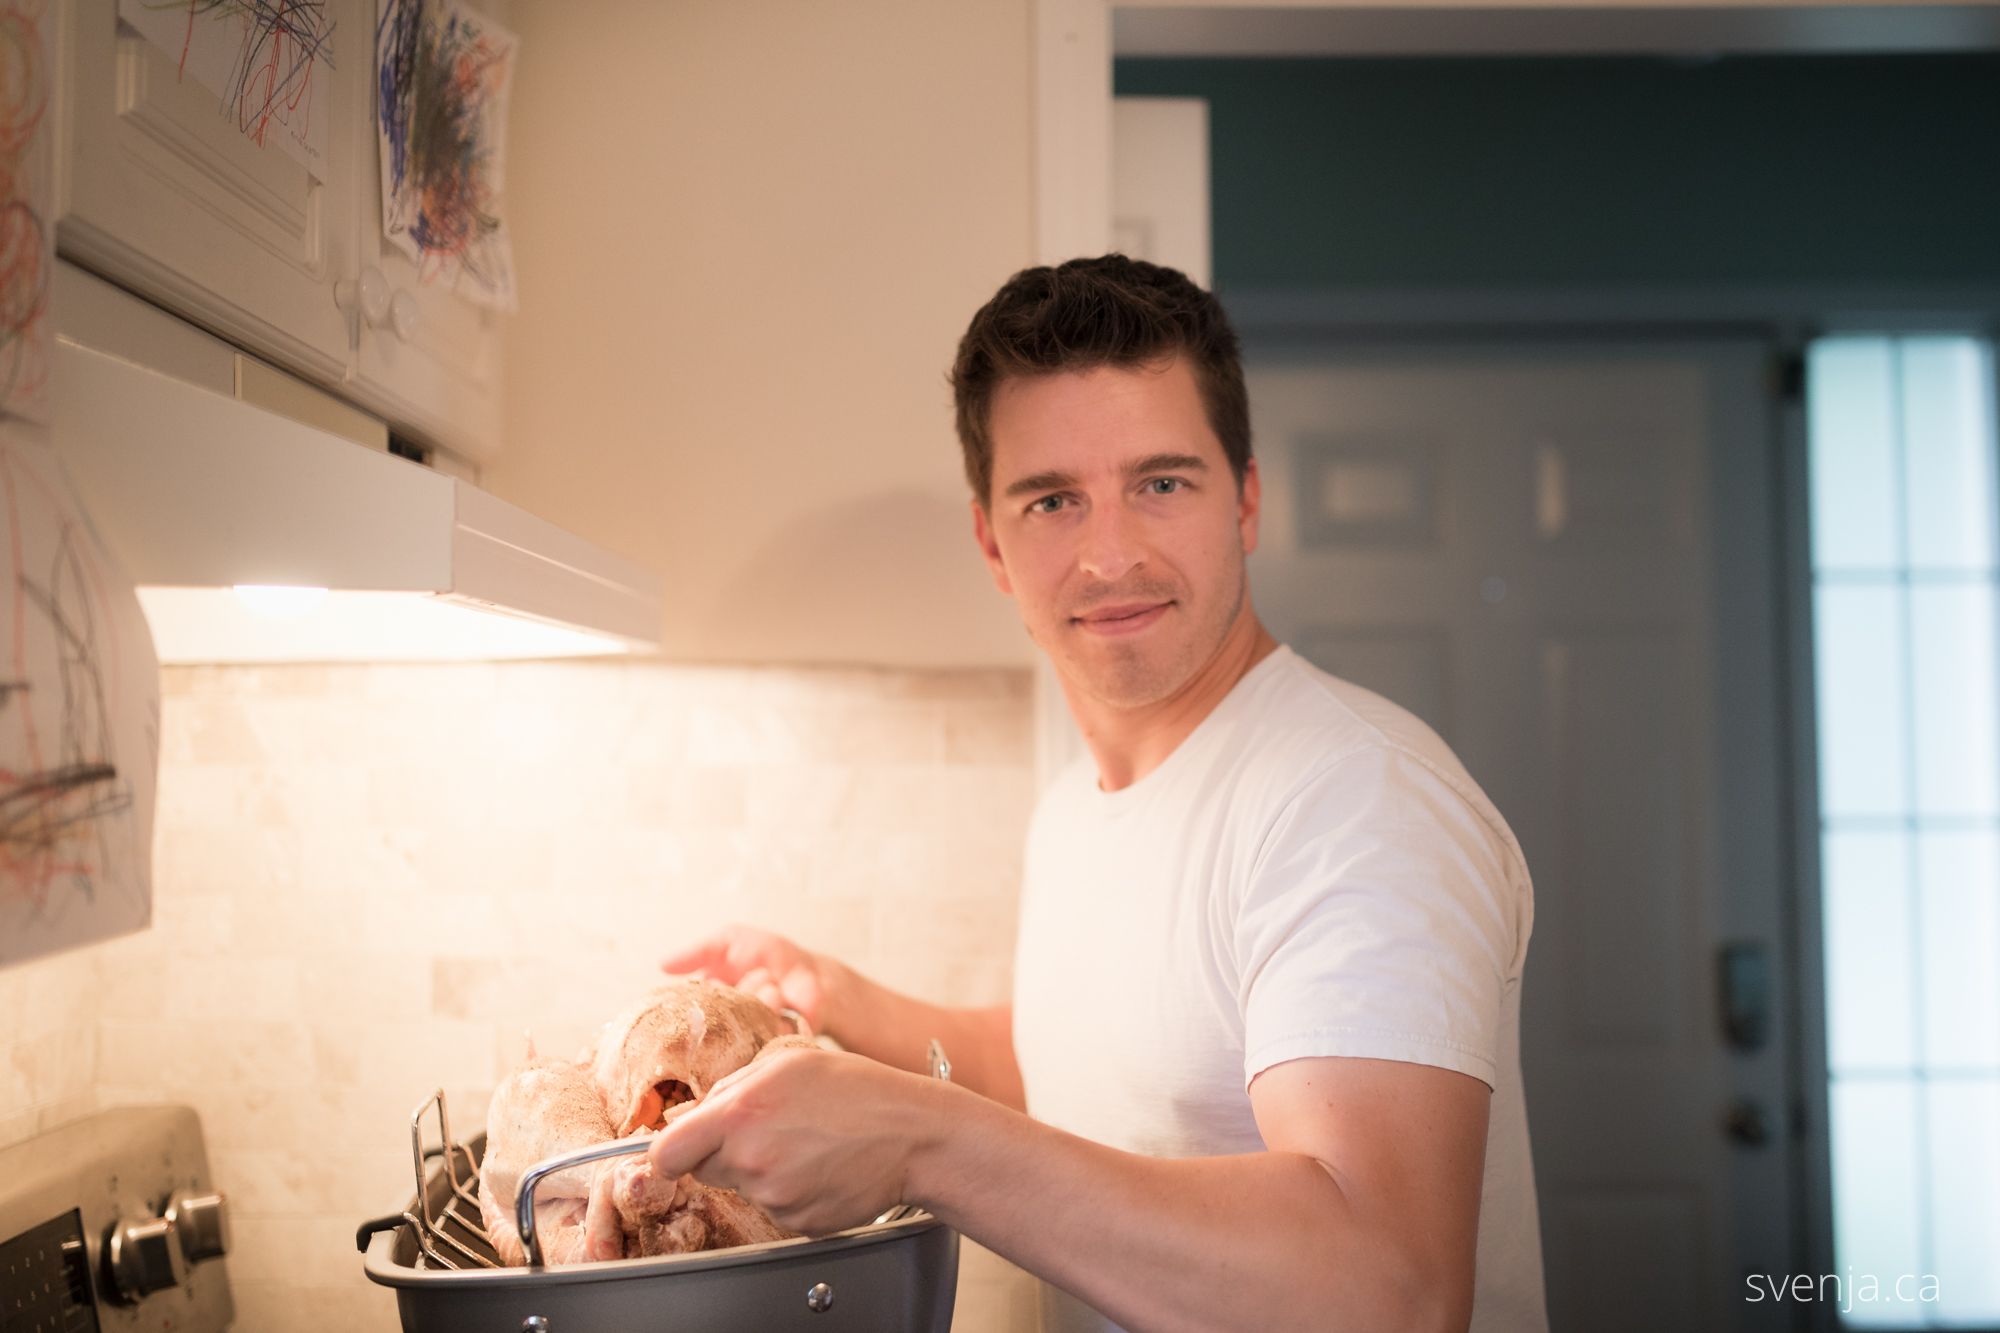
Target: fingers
{"points": [[747, 959], [699, 958], [688, 1140], [769, 967], [723, 956], [801, 988], [759, 982]]}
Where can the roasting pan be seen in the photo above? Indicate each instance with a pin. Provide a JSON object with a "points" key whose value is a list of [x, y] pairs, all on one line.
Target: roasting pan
{"points": [[898, 1274]]}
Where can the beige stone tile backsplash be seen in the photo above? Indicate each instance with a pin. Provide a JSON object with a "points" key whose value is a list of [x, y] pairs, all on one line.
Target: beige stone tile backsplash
{"points": [[48, 1044], [372, 881]]}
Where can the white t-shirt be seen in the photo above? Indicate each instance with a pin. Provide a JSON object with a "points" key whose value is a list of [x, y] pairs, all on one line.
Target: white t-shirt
{"points": [[1310, 873]]}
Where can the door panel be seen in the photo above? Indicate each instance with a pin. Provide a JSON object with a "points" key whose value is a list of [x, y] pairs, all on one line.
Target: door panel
{"points": [[1550, 552]]}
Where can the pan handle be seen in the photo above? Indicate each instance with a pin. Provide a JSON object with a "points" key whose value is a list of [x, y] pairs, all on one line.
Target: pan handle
{"points": [[374, 1226], [524, 1200]]}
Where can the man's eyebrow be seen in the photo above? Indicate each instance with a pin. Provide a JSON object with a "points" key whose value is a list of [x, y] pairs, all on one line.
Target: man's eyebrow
{"points": [[1040, 481], [1167, 463], [1056, 481]]}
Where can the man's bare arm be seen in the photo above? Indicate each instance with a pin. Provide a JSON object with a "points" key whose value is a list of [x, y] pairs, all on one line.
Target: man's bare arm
{"points": [[1363, 1213], [897, 1030]]}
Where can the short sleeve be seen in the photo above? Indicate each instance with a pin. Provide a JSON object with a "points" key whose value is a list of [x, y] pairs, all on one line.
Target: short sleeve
{"points": [[1380, 919]]}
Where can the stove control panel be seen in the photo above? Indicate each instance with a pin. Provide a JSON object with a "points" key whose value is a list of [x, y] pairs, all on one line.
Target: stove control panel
{"points": [[113, 1223], [45, 1279]]}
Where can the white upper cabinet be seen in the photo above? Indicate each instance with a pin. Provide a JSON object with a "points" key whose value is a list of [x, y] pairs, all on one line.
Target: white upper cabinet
{"points": [[164, 191], [427, 357], [255, 211]]}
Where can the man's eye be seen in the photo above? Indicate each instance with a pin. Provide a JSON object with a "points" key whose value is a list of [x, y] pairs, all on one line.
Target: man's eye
{"points": [[1165, 485], [1048, 504]]}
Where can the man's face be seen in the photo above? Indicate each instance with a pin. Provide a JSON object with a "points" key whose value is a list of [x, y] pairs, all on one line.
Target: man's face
{"points": [[1116, 526]]}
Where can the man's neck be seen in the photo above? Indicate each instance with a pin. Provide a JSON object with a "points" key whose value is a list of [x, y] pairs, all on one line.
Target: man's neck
{"points": [[1129, 743]]}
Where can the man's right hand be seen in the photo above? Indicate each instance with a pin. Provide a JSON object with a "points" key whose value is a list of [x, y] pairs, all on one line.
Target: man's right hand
{"points": [[765, 965]]}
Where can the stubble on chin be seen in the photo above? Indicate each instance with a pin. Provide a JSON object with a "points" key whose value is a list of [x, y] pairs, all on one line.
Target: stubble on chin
{"points": [[1126, 675], [1117, 674], [1125, 681]]}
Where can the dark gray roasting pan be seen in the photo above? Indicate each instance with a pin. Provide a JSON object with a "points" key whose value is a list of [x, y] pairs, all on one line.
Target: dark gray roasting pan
{"points": [[896, 1275]]}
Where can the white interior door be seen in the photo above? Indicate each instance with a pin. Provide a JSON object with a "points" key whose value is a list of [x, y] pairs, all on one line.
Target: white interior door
{"points": [[1558, 555]]}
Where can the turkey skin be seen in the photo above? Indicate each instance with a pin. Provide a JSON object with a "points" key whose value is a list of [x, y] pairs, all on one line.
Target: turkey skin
{"points": [[647, 1064]]}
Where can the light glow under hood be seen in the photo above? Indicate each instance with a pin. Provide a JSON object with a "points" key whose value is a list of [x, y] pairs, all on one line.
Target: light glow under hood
{"points": [[199, 493]]}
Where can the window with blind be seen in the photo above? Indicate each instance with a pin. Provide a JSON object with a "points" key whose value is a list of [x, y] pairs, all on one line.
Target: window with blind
{"points": [[1901, 449]]}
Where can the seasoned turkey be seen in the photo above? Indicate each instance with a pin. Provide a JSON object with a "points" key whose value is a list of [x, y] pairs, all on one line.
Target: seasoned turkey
{"points": [[675, 1216], [542, 1109], [674, 1046], [647, 1063]]}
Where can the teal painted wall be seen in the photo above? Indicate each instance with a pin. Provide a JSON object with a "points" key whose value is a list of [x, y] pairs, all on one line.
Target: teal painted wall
{"points": [[1597, 172]]}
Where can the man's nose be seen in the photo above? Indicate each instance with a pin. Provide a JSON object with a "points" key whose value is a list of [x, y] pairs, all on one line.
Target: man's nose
{"points": [[1112, 545]]}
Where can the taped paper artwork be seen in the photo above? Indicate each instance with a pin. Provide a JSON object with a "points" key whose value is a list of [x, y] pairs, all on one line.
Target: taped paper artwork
{"points": [[79, 719], [442, 75], [265, 59]]}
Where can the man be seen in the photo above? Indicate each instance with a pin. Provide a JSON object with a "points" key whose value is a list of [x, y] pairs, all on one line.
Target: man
{"points": [[1267, 997]]}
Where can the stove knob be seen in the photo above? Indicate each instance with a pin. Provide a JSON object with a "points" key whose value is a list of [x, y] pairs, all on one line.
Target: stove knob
{"points": [[145, 1256], [202, 1219]]}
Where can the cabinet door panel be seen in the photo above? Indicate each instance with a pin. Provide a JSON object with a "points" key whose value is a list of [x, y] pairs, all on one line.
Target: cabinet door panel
{"points": [[164, 192], [439, 381], [442, 383]]}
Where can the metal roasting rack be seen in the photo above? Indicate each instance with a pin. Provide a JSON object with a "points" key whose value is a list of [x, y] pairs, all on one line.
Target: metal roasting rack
{"points": [[453, 1237]]}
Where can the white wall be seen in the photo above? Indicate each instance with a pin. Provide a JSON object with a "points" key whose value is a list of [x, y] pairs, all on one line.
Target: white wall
{"points": [[748, 239]]}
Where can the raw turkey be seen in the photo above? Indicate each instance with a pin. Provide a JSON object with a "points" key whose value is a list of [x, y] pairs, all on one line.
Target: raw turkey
{"points": [[648, 1064], [675, 1216], [542, 1109], [674, 1046]]}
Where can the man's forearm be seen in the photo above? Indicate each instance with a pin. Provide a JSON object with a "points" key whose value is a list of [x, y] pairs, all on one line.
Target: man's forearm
{"points": [[1264, 1240], [870, 1019]]}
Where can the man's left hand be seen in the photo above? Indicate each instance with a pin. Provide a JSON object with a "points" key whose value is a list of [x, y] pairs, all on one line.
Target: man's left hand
{"points": [[820, 1140]]}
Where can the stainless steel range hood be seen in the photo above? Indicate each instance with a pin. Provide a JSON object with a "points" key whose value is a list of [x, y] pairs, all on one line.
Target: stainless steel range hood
{"points": [[255, 535]]}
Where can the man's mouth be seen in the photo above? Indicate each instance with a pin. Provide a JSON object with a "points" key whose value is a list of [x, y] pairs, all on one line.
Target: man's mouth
{"points": [[1125, 618]]}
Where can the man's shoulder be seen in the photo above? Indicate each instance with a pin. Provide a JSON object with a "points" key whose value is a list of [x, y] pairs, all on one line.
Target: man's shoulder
{"points": [[1312, 732], [1306, 719], [1289, 727]]}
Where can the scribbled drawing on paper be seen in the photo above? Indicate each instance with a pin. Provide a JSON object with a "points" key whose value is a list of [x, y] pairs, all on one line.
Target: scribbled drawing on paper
{"points": [[442, 76], [263, 58], [79, 720], [27, 242]]}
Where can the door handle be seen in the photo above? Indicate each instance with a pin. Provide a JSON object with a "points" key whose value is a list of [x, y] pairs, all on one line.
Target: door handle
{"points": [[1744, 972], [1745, 1122]]}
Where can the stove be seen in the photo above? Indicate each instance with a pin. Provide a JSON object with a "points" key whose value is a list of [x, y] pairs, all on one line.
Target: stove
{"points": [[113, 1223]]}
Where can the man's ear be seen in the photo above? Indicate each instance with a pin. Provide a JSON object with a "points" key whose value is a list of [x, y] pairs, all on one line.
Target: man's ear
{"points": [[982, 532], [1249, 506]]}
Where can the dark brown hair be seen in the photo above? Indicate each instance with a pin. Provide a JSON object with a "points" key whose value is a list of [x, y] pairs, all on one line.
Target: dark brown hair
{"points": [[1107, 311]]}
